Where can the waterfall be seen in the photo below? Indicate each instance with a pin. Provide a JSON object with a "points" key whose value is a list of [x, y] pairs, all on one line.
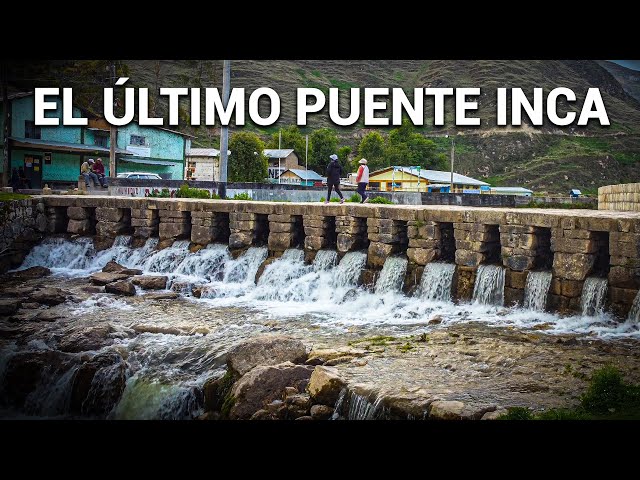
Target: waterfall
{"points": [[634, 312], [392, 275], [167, 259], [325, 259], [353, 406], [63, 255], [594, 292], [244, 268], [347, 273], [278, 280], [206, 264], [436, 282], [536, 290], [489, 287]]}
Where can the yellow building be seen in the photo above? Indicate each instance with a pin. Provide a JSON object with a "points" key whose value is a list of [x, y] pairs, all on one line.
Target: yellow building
{"points": [[412, 179]]}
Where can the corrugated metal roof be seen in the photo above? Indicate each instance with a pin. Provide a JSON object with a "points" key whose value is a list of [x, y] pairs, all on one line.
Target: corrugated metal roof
{"points": [[148, 161], [305, 174], [277, 153], [203, 152], [512, 189], [75, 147], [437, 176]]}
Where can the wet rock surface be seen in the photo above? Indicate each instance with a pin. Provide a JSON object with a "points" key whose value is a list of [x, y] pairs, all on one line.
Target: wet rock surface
{"points": [[265, 350]]}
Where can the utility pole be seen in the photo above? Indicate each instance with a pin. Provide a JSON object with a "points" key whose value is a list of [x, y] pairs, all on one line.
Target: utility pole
{"points": [[113, 131], [279, 147], [6, 164], [306, 158], [453, 147], [224, 130]]}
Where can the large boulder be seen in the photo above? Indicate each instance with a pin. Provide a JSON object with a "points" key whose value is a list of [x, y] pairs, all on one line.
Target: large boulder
{"points": [[325, 385], [104, 278], [86, 339], [264, 384], [98, 384], [446, 410], [9, 306], [321, 412], [265, 350], [49, 296], [120, 288], [151, 282], [30, 273]]}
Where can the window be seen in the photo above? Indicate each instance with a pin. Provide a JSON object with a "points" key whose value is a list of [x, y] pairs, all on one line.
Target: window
{"points": [[31, 130], [374, 185], [138, 140], [100, 140]]}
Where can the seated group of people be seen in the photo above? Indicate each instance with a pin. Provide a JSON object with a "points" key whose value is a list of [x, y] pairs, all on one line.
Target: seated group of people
{"points": [[94, 170]]}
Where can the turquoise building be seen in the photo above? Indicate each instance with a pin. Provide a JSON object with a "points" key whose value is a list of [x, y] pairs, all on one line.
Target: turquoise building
{"points": [[53, 154]]}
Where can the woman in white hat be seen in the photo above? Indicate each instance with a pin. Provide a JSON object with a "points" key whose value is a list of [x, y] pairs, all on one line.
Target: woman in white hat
{"points": [[362, 179]]}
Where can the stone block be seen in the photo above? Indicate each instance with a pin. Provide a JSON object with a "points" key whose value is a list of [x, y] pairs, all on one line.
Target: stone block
{"points": [[622, 295], [203, 235], [82, 227], [556, 286], [277, 227], [624, 249], [422, 256], [144, 213], [280, 218], [573, 245], [246, 225], [145, 232], [513, 296], [242, 216], [578, 233], [109, 214], [110, 229], [315, 223], [78, 213], [173, 230], [314, 232], [279, 241], [624, 277], [516, 279], [572, 266], [379, 252], [174, 214], [571, 288], [469, 259], [624, 261], [346, 242], [424, 243], [384, 238], [315, 242], [518, 262], [239, 240], [144, 222]]}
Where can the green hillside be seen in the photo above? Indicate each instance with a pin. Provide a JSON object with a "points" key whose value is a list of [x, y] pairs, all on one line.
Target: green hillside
{"points": [[547, 158]]}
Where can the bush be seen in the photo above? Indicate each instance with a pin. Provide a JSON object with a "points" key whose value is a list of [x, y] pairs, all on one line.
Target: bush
{"points": [[381, 200], [517, 413], [355, 198], [185, 191], [566, 206], [164, 193], [606, 390], [242, 196]]}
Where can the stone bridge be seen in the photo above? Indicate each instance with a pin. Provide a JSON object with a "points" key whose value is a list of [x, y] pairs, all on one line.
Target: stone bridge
{"points": [[574, 244]]}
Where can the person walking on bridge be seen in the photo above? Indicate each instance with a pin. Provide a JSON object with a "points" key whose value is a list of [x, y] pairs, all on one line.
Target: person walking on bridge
{"points": [[334, 172], [362, 179]]}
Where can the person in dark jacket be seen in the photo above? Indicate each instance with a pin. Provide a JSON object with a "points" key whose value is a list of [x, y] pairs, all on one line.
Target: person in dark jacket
{"points": [[334, 171], [24, 181], [15, 179]]}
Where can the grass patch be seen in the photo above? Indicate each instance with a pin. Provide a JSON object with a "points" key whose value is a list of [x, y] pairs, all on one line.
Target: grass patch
{"points": [[316, 73], [381, 200], [342, 85], [8, 197], [566, 206], [608, 397], [406, 347], [242, 196], [377, 341]]}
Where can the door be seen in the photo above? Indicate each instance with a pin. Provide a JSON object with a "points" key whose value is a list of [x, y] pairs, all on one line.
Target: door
{"points": [[33, 170]]}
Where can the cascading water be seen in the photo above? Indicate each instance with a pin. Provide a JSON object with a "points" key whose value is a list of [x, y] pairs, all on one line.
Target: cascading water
{"points": [[348, 271], [353, 406], [634, 312], [278, 282], [489, 287], [536, 290], [168, 259], [325, 259], [594, 292], [206, 264], [437, 279], [62, 256], [245, 267], [392, 275]]}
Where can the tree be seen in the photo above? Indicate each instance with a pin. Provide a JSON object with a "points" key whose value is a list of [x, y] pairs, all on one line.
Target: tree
{"points": [[291, 138], [372, 148], [407, 147], [322, 144], [247, 163], [343, 156]]}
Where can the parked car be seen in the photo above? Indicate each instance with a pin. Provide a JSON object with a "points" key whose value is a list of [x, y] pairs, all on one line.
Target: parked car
{"points": [[140, 175]]}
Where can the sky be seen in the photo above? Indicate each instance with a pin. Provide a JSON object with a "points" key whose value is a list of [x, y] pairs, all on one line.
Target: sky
{"points": [[632, 64]]}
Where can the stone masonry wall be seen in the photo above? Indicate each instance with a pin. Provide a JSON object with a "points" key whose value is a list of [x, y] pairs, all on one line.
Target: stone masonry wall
{"points": [[625, 197], [22, 224]]}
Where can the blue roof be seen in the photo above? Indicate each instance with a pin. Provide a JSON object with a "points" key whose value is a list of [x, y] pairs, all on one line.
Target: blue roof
{"points": [[305, 174]]}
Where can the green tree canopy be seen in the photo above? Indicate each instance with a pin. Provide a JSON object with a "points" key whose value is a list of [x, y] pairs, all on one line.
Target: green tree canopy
{"points": [[247, 163], [322, 143], [407, 147], [343, 155], [291, 138], [372, 148]]}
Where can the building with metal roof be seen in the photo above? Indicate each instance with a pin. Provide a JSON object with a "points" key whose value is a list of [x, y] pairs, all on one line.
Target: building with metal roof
{"points": [[520, 191], [296, 176], [415, 179], [280, 160]]}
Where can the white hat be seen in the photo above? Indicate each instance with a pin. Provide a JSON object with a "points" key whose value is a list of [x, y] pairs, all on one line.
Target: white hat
{"points": [[363, 161], [91, 160], [333, 156]]}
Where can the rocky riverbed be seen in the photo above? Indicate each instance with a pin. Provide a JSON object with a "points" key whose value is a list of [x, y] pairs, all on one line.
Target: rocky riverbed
{"points": [[119, 345]]}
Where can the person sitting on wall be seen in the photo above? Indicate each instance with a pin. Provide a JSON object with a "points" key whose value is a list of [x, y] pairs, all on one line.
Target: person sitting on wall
{"points": [[15, 179], [98, 169], [24, 181], [85, 170]]}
